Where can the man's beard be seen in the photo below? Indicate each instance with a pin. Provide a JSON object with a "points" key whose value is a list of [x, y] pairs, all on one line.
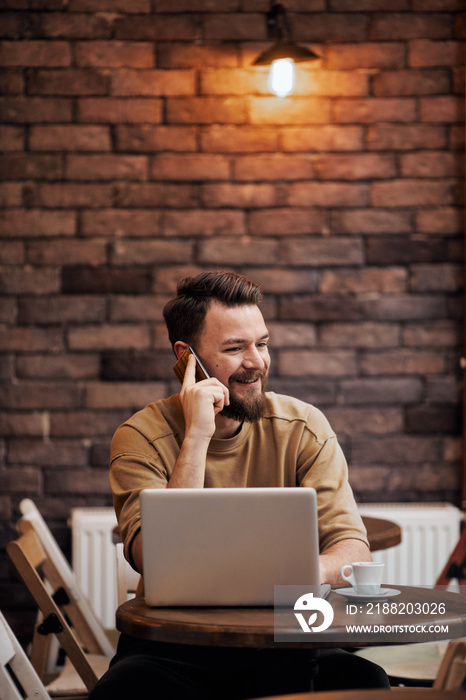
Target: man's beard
{"points": [[250, 408]]}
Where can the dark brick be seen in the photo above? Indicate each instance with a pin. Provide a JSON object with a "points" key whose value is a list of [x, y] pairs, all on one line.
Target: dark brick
{"points": [[61, 309], [397, 250], [54, 453], [100, 454], [405, 308], [172, 27], [151, 195], [315, 391], [381, 390], [128, 366], [67, 82], [7, 310], [433, 477], [6, 371], [35, 110], [74, 25], [433, 419], [85, 481], [85, 424], [319, 307], [83, 280], [40, 395], [78, 366], [395, 450], [21, 480], [26, 166]]}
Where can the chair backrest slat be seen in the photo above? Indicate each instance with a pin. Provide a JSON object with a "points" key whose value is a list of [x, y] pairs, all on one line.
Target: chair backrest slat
{"points": [[23, 552], [26, 684]]}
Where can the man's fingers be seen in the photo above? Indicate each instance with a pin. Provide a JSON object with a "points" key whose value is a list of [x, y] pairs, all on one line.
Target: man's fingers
{"points": [[190, 374], [218, 399], [221, 398]]}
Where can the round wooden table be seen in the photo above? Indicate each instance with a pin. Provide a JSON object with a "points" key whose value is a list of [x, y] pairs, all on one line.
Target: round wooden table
{"points": [[257, 627], [381, 533], [377, 694]]}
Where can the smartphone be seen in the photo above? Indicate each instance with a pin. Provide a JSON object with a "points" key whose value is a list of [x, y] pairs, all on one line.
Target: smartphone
{"points": [[180, 366]]}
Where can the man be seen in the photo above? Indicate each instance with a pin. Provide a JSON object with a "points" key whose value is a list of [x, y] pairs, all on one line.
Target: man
{"points": [[227, 431]]}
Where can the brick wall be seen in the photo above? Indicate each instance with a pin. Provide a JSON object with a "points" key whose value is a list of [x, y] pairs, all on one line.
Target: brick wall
{"points": [[140, 145]]}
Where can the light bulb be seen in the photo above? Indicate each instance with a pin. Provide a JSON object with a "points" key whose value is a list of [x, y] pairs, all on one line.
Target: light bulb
{"points": [[281, 76]]}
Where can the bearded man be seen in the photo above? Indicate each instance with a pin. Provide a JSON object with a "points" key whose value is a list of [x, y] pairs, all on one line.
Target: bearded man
{"points": [[227, 431]]}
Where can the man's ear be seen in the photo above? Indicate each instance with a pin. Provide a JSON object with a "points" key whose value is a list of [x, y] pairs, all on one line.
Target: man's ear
{"points": [[179, 348]]}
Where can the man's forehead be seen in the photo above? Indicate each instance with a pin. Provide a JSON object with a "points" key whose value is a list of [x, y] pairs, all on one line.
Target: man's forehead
{"points": [[230, 321]]}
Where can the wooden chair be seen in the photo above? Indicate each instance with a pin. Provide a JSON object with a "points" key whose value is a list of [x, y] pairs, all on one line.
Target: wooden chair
{"points": [[88, 623], [452, 671], [455, 568], [61, 618], [441, 665], [18, 679], [127, 578], [408, 665]]}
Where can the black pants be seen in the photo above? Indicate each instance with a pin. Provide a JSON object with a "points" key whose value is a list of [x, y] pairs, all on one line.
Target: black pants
{"points": [[162, 671]]}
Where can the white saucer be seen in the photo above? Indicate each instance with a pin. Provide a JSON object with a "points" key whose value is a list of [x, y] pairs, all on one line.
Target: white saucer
{"points": [[351, 594]]}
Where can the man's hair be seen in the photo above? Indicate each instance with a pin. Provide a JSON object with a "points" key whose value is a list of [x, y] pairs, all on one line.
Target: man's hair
{"points": [[185, 314]]}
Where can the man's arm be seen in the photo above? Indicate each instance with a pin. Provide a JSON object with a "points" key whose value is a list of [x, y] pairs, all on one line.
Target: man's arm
{"points": [[136, 551], [344, 552], [201, 401]]}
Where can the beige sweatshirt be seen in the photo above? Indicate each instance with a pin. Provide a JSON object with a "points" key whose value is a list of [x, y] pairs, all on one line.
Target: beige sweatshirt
{"points": [[292, 445]]}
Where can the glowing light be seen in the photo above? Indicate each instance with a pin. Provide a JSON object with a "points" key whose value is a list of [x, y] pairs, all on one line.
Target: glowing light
{"points": [[281, 77]]}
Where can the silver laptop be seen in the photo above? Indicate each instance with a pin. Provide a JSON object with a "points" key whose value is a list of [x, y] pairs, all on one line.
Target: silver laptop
{"points": [[227, 546]]}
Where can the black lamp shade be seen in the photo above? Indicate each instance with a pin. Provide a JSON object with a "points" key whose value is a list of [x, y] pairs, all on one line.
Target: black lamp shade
{"points": [[297, 53]]}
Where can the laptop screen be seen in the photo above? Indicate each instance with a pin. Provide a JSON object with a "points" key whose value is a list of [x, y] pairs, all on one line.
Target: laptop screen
{"points": [[227, 546]]}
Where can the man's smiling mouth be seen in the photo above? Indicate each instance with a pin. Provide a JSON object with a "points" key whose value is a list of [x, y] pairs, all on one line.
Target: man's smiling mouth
{"points": [[247, 381]]}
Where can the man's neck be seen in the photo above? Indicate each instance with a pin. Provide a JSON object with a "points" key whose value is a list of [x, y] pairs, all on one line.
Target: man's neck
{"points": [[226, 427]]}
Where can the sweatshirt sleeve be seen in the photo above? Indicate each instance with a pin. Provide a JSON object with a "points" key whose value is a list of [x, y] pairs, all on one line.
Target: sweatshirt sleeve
{"points": [[134, 466], [323, 466]]}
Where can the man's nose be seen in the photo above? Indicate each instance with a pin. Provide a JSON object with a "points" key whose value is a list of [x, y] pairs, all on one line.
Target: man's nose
{"points": [[253, 359]]}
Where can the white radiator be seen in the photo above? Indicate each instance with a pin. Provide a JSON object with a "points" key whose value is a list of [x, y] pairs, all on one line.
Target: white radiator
{"points": [[429, 533], [94, 559]]}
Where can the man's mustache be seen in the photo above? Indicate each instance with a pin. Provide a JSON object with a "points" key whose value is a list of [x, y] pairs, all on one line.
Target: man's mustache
{"points": [[247, 376]]}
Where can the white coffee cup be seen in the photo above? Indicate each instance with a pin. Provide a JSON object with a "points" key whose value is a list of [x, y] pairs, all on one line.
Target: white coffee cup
{"points": [[364, 576]]}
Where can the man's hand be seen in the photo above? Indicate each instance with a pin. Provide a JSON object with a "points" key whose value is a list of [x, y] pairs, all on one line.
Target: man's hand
{"points": [[201, 401], [345, 552]]}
